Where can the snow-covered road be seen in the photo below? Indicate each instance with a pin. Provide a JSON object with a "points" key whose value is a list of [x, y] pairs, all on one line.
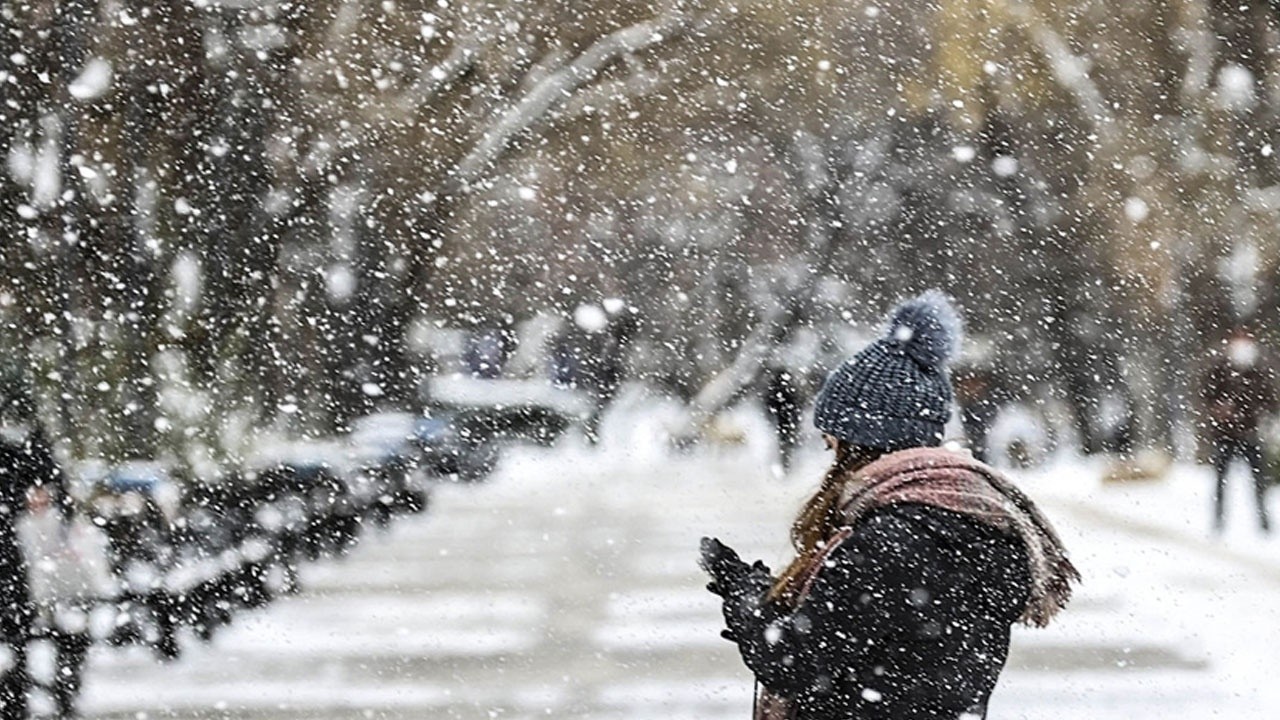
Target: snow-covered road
{"points": [[566, 587]]}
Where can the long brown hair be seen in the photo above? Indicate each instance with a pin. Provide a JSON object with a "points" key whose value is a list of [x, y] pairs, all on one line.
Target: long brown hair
{"points": [[820, 517]]}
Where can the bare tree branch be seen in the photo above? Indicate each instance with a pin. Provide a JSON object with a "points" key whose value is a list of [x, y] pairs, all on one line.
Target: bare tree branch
{"points": [[559, 86], [781, 317], [430, 83], [1069, 70], [1198, 41], [603, 97], [436, 78]]}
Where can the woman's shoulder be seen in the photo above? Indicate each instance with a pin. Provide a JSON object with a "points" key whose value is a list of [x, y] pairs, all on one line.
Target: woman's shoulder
{"points": [[920, 527], [906, 517], [887, 530], [902, 543], [932, 517]]}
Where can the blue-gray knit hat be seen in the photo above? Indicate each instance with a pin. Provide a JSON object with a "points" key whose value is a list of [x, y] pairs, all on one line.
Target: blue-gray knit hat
{"points": [[896, 393]]}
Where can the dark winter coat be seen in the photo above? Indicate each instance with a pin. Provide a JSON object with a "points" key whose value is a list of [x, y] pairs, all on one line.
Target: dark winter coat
{"points": [[15, 595], [1237, 399], [908, 620]]}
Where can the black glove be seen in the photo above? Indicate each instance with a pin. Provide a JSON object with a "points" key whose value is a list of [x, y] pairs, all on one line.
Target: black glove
{"points": [[742, 586], [725, 567], [721, 563]]}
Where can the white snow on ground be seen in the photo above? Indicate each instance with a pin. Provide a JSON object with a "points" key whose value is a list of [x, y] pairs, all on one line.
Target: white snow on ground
{"points": [[1186, 621], [566, 587]]}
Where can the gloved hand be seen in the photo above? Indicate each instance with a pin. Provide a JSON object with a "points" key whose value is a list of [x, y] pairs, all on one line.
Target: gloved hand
{"points": [[742, 586], [725, 567], [721, 563]]}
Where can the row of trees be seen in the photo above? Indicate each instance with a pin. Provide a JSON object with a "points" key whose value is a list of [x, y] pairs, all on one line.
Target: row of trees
{"points": [[216, 215]]}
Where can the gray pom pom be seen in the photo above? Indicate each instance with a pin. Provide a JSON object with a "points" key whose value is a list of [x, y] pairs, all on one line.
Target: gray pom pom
{"points": [[927, 328]]}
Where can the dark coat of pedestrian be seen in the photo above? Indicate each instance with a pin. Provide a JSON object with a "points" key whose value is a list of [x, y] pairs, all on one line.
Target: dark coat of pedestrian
{"points": [[978, 395], [783, 403], [26, 460], [1239, 393], [590, 355], [913, 562], [15, 596]]}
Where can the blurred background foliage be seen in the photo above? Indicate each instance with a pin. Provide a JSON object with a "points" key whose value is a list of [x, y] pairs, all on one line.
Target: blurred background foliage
{"points": [[213, 209]]}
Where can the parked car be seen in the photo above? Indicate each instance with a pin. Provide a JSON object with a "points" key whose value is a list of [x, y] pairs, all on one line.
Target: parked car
{"points": [[450, 445], [386, 459], [530, 409], [135, 503]]}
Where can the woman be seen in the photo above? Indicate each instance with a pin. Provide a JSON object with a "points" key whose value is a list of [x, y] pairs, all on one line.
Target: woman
{"points": [[912, 562]]}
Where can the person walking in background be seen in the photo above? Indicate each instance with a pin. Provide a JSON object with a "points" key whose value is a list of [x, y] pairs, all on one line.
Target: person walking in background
{"points": [[15, 594], [590, 355], [1238, 395], [26, 460], [912, 561], [782, 403], [69, 572], [487, 350], [977, 396]]}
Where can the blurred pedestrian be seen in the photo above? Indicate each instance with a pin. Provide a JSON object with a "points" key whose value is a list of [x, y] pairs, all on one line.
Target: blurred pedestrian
{"points": [[487, 350], [1239, 394], [69, 573], [782, 403], [129, 507], [912, 561], [977, 396], [26, 460], [1117, 421], [16, 614], [622, 326], [590, 354]]}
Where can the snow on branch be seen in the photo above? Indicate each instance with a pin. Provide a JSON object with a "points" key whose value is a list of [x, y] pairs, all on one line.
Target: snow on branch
{"points": [[559, 86], [430, 82], [1070, 70], [438, 77], [779, 318], [605, 96]]}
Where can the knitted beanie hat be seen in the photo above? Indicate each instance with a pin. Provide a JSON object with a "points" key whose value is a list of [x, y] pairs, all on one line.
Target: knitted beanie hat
{"points": [[896, 393]]}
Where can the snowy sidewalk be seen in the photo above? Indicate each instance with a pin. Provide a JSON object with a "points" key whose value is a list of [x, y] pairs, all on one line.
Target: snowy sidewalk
{"points": [[566, 587], [1170, 618]]}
